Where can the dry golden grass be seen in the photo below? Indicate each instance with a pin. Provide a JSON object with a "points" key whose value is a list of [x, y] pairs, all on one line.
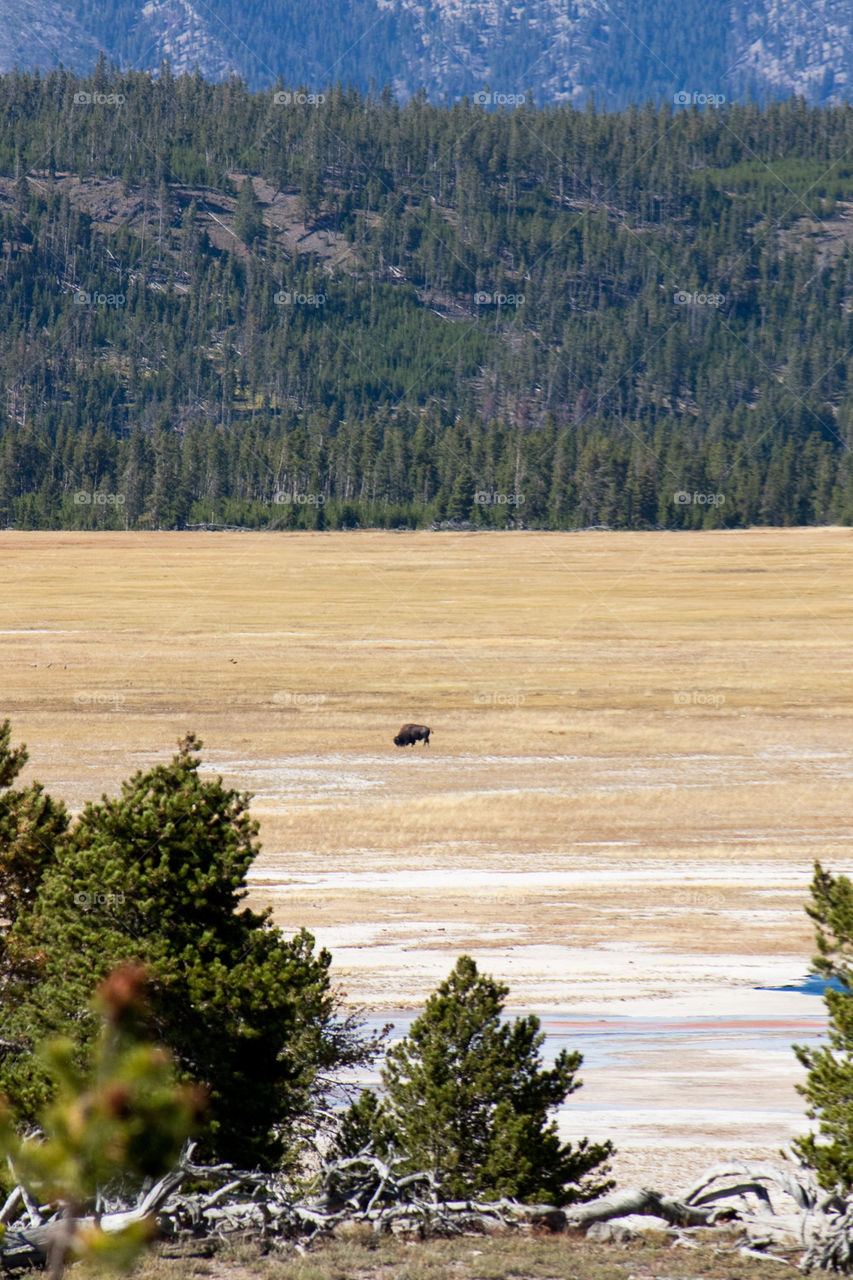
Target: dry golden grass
{"points": [[667, 715], [472, 1257]]}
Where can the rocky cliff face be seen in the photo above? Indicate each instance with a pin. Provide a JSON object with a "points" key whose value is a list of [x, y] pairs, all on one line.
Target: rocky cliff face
{"points": [[623, 51], [791, 47]]}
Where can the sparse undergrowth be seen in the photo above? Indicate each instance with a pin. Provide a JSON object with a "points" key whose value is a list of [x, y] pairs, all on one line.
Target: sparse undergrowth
{"points": [[501, 1257]]}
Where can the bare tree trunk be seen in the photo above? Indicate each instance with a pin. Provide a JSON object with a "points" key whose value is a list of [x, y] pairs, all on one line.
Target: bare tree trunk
{"points": [[640, 1200]]}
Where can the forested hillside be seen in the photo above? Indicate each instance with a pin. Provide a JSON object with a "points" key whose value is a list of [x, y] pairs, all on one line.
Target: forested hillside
{"points": [[268, 310]]}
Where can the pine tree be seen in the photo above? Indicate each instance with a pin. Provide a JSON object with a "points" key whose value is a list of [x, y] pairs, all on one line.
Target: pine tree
{"points": [[121, 1117], [461, 500], [829, 1085], [248, 220], [31, 824], [466, 1097], [156, 876]]}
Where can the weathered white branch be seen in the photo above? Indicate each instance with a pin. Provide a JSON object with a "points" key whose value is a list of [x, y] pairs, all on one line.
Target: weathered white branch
{"points": [[641, 1200], [774, 1207]]}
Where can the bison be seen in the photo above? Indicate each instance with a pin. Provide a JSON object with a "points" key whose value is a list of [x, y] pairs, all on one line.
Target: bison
{"points": [[412, 733]]}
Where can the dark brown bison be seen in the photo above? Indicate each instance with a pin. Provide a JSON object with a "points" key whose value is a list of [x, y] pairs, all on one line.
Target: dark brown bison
{"points": [[412, 733]]}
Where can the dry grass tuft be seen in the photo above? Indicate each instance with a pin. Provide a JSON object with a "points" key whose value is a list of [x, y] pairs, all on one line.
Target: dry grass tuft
{"points": [[503, 1257]]}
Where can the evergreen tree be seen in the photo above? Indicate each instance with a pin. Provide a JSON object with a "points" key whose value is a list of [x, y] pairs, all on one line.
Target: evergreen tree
{"points": [[466, 1097], [248, 221], [489, 283], [31, 824], [829, 1085], [156, 876], [461, 501], [122, 1117]]}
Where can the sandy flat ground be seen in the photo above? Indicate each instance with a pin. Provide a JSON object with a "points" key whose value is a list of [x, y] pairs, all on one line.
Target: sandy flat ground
{"points": [[641, 742]]}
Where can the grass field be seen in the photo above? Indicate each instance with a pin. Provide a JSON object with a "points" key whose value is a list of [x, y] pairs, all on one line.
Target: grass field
{"points": [[640, 741], [653, 1256]]}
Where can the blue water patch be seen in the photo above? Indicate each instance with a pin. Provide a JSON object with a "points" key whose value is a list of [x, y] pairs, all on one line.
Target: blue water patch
{"points": [[813, 985]]}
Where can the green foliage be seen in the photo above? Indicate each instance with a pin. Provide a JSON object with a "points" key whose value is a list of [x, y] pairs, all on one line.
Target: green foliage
{"points": [[157, 876], [197, 396], [120, 1117], [31, 823], [248, 219], [365, 1125], [829, 1086], [465, 1096]]}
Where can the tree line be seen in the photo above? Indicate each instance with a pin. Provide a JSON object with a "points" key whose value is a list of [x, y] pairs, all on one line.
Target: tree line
{"points": [[248, 309]]}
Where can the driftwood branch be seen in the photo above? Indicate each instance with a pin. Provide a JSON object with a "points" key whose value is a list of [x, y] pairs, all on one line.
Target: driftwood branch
{"points": [[773, 1208], [35, 1244], [27, 1247], [645, 1201], [832, 1249]]}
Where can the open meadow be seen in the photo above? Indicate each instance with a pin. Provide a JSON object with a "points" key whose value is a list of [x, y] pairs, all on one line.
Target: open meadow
{"points": [[641, 741]]}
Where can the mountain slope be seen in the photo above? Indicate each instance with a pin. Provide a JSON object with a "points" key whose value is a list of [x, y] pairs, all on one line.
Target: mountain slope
{"points": [[220, 308], [623, 51]]}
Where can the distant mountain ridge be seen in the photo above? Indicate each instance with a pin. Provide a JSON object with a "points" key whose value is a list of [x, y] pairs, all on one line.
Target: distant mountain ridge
{"points": [[623, 52]]}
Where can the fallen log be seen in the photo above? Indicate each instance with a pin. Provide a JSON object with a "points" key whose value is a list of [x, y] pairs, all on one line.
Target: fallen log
{"points": [[27, 1247], [364, 1189], [832, 1249], [643, 1200], [33, 1245], [801, 1187]]}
